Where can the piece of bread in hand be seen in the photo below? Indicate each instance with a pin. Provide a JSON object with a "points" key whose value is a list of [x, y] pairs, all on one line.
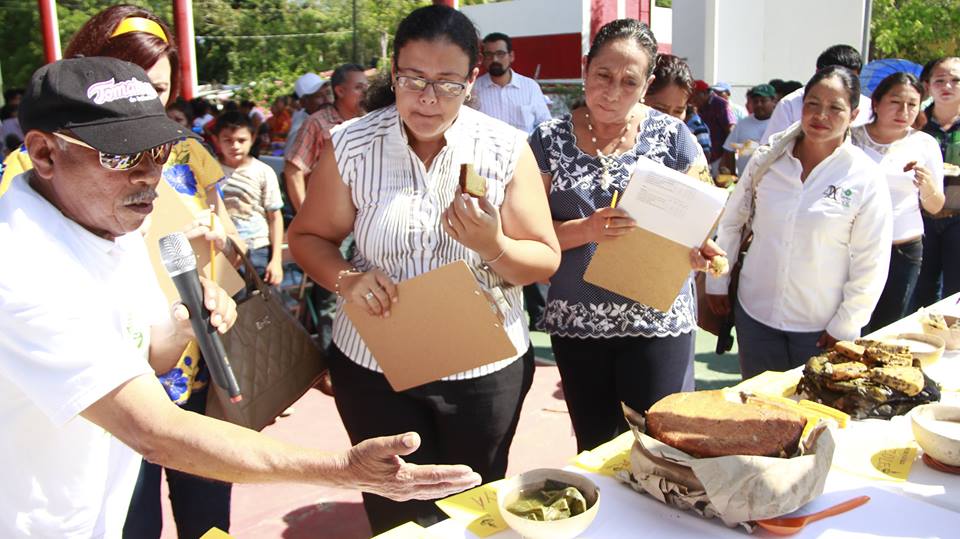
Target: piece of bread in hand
{"points": [[472, 183]]}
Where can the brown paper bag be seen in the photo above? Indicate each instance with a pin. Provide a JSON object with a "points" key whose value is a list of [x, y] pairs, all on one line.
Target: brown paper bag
{"points": [[737, 489]]}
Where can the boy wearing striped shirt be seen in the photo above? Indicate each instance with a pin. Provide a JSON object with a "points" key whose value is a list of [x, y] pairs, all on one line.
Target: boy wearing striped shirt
{"points": [[251, 194]]}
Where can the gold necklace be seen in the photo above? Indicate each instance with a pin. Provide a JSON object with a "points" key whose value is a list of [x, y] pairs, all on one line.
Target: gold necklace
{"points": [[607, 160]]}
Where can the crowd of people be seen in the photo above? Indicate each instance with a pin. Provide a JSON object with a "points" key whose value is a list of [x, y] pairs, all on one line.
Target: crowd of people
{"points": [[842, 194]]}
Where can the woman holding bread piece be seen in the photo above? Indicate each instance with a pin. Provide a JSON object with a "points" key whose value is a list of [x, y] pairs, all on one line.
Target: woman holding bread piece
{"points": [[822, 226], [392, 178], [914, 172], [610, 349]]}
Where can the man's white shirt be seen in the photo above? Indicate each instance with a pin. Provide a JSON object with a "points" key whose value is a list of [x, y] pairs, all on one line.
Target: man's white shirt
{"points": [[744, 139], [75, 313], [520, 102]]}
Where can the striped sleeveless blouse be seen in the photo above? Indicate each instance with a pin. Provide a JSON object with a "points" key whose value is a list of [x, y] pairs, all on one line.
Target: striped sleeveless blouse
{"points": [[399, 203]]}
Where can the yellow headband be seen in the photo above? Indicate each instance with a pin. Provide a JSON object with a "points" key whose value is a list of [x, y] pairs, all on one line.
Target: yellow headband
{"points": [[139, 24]]}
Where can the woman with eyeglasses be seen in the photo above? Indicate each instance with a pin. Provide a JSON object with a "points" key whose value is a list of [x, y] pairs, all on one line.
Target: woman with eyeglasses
{"points": [[391, 178], [138, 36]]}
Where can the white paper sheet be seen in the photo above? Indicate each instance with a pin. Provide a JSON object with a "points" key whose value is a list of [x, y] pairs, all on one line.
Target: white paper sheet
{"points": [[672, 204]]}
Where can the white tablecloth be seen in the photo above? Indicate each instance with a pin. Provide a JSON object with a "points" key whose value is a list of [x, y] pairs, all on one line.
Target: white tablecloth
{"points": [[926, 505]]}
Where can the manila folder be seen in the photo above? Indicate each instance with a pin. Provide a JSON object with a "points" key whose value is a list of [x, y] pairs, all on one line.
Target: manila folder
{"points": [[641, 266], [442, 324]]}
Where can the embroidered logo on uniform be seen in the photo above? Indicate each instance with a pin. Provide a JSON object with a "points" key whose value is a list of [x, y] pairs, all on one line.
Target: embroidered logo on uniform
{"points": [[835, 193], [110, 90]]}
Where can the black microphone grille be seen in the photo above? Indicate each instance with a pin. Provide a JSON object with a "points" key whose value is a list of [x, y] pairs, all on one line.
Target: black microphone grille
{"points": [[177, 254]]}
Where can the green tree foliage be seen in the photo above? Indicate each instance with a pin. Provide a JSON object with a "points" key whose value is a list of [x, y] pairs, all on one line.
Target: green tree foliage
{"points": [[22, 42], [918, 30], [261, 44]]}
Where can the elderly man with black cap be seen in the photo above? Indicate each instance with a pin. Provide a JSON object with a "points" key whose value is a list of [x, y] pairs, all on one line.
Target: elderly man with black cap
{"points": [[83, 319]]}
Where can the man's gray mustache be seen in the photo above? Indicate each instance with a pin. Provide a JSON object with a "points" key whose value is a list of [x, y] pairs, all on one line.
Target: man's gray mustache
{"points": [[143, 197]]}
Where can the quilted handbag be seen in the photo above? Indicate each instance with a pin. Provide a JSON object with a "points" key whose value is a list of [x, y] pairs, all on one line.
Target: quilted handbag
{"points": [[273, 357]]}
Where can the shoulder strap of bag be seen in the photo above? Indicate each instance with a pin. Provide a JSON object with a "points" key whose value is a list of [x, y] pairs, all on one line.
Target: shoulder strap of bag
{"points": [[763, 158], [251, 277]]}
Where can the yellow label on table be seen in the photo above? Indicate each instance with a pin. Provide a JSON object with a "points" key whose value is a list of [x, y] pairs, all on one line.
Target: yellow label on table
{"points": [[888, 464], [478, 506], [895, 463], [608, 458], [409, 530]]}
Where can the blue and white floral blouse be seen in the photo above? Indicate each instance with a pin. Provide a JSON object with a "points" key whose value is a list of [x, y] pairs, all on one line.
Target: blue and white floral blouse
{"points": [[576, 308]]}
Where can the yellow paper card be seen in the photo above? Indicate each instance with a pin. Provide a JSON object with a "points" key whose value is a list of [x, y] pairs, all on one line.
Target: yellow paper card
{"points": [[780, 384], [478, 507], [608, 458], [409, 530], [895, 463], [216, 533], [887, 464]]}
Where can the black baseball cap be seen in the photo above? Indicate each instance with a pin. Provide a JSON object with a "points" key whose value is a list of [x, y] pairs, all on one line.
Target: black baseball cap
{"points": [[108, 103]]}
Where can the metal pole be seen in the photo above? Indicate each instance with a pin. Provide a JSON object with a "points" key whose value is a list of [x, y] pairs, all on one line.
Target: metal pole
{"points": [[183, 24], [51, 30], [867, 16]]}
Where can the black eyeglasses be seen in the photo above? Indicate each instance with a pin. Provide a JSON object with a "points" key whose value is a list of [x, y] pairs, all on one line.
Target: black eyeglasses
{"points": [[443, 88], [499, 55], [115, 161]]}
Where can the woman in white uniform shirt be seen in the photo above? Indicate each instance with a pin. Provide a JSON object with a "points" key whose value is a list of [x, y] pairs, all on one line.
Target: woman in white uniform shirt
{"points": [[913, 165], [391, 178], [822, 234]]}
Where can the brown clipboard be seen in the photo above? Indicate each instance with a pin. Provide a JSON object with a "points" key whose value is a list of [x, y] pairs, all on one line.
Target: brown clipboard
{"points": [[171, 214], [641, 266], [443, 323]]}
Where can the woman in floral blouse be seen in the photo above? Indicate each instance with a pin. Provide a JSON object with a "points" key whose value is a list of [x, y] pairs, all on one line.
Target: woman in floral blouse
{"points": [[609, 348]]}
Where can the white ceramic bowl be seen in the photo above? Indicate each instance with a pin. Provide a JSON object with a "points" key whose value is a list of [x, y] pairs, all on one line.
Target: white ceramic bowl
{"points": [[950, 336], [567, 528], [926, 348], [936, 428]]}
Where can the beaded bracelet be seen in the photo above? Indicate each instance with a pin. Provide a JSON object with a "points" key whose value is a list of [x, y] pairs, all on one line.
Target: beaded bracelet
{"points": [[340, 274]]}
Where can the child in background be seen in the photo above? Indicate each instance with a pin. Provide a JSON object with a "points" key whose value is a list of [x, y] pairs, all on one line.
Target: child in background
{"points": [[251, 194]]}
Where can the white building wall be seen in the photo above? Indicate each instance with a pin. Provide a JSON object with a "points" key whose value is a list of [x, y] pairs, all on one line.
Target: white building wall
{"points": [[529, 17], [747, 42], [661, 22]]}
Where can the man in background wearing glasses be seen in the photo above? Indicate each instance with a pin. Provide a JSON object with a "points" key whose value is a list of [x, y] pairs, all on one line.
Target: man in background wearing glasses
{"points": [[505, 94], [85, 326]]}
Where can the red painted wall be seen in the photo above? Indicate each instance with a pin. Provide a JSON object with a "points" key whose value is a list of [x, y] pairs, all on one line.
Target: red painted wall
{"points": [[604, 11], [643, 10], [558, 55], [601, 12]]}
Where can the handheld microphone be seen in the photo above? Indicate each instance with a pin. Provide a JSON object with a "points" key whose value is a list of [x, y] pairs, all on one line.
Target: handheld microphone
{"points": [[181, 263]]}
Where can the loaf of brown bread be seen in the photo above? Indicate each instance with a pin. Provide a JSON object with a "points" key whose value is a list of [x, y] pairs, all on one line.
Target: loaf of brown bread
{"points": [[707, 424]]}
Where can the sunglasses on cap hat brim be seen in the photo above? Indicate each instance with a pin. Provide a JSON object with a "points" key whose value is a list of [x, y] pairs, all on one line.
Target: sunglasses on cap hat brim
{"points": [[120, 162]]}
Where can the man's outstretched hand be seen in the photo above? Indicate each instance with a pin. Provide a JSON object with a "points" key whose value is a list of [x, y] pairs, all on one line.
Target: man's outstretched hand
{"points": [[376, 466]]}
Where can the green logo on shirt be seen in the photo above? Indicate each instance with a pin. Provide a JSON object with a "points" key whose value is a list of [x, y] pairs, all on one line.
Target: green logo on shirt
{"points": [[843, 196]]}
